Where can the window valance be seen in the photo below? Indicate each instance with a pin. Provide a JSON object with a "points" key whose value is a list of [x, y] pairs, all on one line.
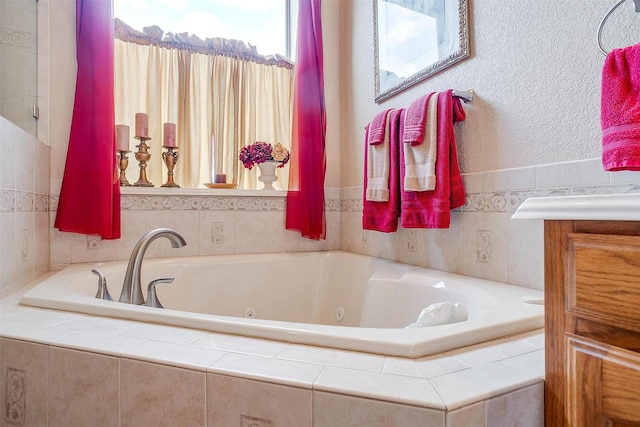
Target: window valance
{"points": [[238, 49]]}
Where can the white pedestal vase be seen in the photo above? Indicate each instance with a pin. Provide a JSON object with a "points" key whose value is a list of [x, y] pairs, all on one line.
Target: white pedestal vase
{"points": [[268, 174]]}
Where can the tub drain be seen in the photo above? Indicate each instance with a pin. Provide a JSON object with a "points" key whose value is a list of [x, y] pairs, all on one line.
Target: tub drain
{"points": [[250, 312]]}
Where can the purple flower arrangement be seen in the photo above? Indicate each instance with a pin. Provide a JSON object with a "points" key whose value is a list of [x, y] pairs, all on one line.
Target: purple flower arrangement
{"points": [[260, 152]]}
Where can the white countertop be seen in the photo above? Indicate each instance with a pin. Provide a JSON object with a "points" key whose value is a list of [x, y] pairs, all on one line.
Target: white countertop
{"points": [[606, 207]]}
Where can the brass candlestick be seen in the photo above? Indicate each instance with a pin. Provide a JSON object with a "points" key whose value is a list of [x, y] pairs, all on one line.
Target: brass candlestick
{"points": [[142, 156], [170, 158], [123, 163]]}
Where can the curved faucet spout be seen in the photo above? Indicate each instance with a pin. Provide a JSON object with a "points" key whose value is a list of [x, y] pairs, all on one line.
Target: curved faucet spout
{"points": [[132, 288]]}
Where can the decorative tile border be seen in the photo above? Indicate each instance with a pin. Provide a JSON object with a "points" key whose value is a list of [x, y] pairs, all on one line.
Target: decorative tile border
{"points": [[23, 201], [15, 38], [509, 201]]}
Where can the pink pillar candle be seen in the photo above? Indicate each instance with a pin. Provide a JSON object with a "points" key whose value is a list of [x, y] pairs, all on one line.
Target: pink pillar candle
{"points": [[122, 137], [142, 125], [169, 135]]}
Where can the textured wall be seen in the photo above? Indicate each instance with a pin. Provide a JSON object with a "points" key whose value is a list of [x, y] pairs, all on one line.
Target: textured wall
{"points": [[535, 68]]}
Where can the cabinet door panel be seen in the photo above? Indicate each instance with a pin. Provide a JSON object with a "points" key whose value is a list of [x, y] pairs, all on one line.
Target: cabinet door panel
{"points": [[604, 279], [603, 384]]}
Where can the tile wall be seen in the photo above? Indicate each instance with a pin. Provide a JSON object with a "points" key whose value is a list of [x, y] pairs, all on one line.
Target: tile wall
{"points": [[211, 223], [24, 207], [483, 241]]}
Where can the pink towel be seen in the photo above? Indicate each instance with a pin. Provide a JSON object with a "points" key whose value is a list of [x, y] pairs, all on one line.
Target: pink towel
{"points": [[376, 128], [431, 209], [383, 216], [414, 121], [620, 110]]}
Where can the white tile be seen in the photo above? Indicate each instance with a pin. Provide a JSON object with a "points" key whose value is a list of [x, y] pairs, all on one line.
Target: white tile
{"points": [[530, 363], [402, 366], [187, 224], [217, 232], [492, 351], [625, 177], [240, 344], [183, 356], [486, 245], [97, 341], [334, 357], [441, 364], [252, 231], [135, 224], [35, 332], [8, 146], [164, 333], [526, 253], [374, 385], [473, 182], [41, 169], [481, 382], [510, 179], [7, 250], [105, 324], [534, 338], [25, 161], [279, 371], [85, 248], [444, 246]]}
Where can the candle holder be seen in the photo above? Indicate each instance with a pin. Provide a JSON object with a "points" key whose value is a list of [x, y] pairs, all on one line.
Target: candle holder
{"points": [[142, 156], [123, 163], [170, 158]]}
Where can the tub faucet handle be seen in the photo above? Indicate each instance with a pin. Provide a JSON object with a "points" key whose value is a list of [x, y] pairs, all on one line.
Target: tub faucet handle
{"points": [[103, 292], [152, 297]]}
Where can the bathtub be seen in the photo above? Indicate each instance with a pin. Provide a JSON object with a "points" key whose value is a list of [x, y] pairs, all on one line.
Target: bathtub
{"points": [[332, 299]]}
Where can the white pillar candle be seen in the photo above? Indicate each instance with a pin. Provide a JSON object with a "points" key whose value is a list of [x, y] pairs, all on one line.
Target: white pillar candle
{"points": [[122, 137], [169, 135], [142, 125]]}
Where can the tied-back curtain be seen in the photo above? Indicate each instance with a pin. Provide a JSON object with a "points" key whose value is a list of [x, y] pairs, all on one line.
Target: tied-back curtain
{"points": [[219, 104], [90, 194], [305, 199]]}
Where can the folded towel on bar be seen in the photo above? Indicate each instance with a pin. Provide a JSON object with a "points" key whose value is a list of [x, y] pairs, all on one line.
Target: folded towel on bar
{"points": [[377, 189], [383, 215], [420, 158], [620, 110], [414, 121], [431, 209], [377, 128]]}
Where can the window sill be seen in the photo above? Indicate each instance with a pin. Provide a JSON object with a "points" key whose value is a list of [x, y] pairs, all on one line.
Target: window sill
{"points": [[163, 191]]}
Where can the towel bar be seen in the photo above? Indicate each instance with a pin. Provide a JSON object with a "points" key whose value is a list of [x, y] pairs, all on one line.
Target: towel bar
{"points": [[465, 95]]}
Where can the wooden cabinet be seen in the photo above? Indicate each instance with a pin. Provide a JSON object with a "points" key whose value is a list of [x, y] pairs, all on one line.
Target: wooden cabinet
{"points": [[592, 323]]}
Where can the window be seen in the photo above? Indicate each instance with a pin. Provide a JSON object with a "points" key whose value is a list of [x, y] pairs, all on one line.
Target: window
{"points": [[222, 94]]}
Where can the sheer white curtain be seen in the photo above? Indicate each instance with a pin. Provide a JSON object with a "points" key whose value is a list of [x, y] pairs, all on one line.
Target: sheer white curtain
{"points": [[219, 104]]}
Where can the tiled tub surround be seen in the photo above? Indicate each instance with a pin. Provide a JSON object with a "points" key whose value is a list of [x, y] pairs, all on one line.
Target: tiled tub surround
{"points": [[78, 370], [483, 241], [24, 207], [213, 222]]}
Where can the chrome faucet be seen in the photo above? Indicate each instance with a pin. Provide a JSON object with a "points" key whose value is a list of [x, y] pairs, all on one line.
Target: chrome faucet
{"points": [[132, 288]]}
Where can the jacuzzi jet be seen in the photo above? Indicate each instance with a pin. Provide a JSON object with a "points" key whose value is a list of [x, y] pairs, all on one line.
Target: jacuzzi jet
{"points": [[340, 314], [249, 312]]}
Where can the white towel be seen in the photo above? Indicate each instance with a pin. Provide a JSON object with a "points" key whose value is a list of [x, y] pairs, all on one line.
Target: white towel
{"points": [[441, 313], [420, 159], [378, 167]]}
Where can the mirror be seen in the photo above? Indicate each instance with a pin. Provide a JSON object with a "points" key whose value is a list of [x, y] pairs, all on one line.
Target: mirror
{"points": [[18, 62], [414, 39]]}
